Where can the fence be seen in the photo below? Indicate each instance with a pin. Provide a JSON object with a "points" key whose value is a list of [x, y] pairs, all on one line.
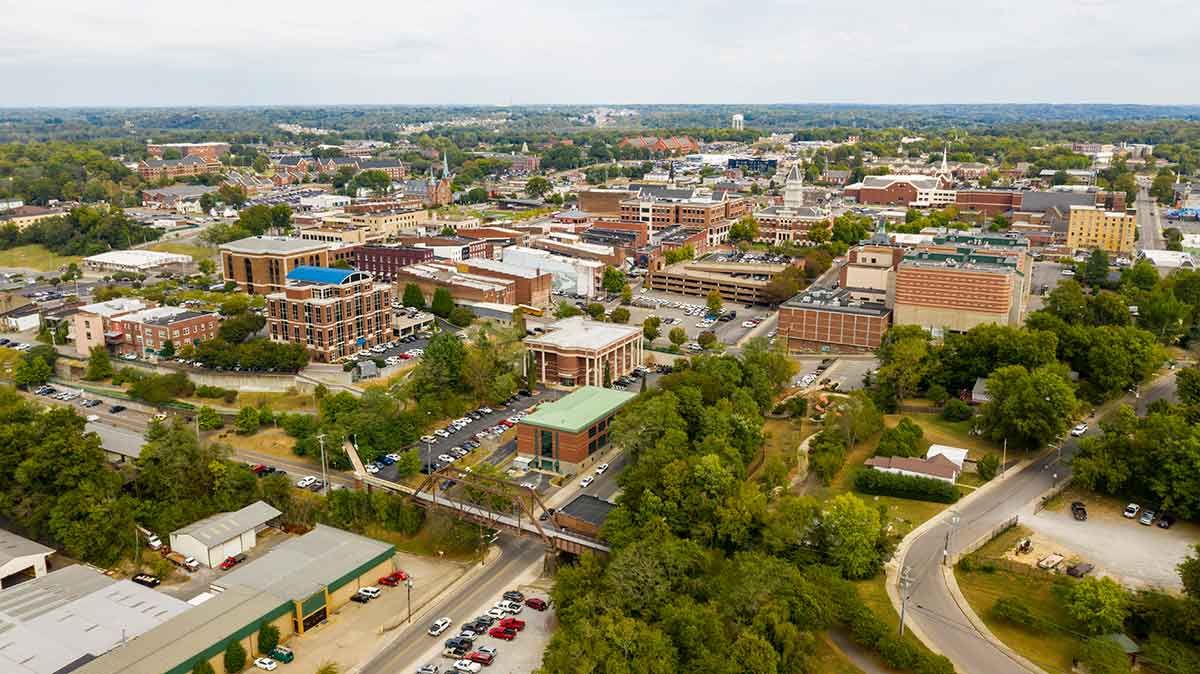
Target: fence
{"points": [[985, 539], [1050, 493]]}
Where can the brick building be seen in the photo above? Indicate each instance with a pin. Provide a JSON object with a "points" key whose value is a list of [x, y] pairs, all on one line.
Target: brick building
{"points": [[145, 332], [1091, 227], [92, 323], [210, 151], [332, 312], [392, 167], [957, 287], [260, 264], [153, 170], [673, 145], [580, 352], [532, 287], [901, 190], [561, 436], [385, 262], [823, 320], [735, 282], [430, 276]]}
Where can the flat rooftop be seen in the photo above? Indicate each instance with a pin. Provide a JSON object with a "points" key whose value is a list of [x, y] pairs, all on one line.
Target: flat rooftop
{"points": [[501, 267], [838, 301], [590, 509], [576, 411], [113, 307], [578, 332], [262, 245], [13, 546]]}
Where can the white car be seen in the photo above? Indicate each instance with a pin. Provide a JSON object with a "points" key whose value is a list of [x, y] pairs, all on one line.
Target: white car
{"points": [[510, 606], [528, 485], [748, 324], [496, 613], [1068, 272], [306, 482], [467, 667], [1079, 430], [586, 482], [393, 456], [372, 468], [369, 591], [93, 418], [1131, 510], [488, 650], [266, 664], [446, 458], [440, 625], [441, 433], [601, 468], [428, 439]]}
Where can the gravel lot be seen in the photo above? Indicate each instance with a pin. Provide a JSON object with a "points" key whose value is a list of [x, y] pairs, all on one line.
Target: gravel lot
{"points": [[1135, 555]]}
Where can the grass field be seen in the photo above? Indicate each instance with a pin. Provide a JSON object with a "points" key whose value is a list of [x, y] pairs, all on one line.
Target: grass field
{"points": [[35, 256], [271, 441], [179, 248]]}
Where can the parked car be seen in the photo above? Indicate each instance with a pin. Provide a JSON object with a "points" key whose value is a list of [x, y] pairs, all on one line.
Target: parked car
{"points": [[1080, 570], [393, 579], [513, 595], [1166, 520], [1079, 430], [232, 561], [428, 669], [359, 598], [480, 657], [116, 409], [496, 613], [1131, 510], [282, 654], [369, 591], [146, 579], [306, 481], [265, 664], [1079, 510], [1147, 517], [513, 623], [536, 603], [587, 481], [601, 468], [467, 667], [440, 625], [502, 633]]}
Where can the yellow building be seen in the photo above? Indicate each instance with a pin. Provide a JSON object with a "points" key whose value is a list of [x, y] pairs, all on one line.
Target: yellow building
{"points": [[1091, 227]]}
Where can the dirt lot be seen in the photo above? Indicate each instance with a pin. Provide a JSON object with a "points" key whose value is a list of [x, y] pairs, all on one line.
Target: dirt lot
{"points": [[1135, 555]]}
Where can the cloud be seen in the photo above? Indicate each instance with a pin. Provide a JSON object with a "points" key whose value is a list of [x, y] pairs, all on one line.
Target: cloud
{"points": [[128, 52]]}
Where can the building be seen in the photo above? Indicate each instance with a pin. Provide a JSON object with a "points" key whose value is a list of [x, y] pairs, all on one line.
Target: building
{"points": [[21, 559], [792, 220], [871, 268], [120, 445], [432, 192], [139, 261], [570, 245], [665, 206], [937, 468], [22, 318], [24, 216], [387, 223], [146, 332], [1091, 227], [580, 352], [211, 540], [92, 322], [153, 170], [569, 275], [455, 248], [386, 262], [957, 287], [324, 202], [70, 617], [334, 313], [1167, 261], [604, 201], [988, 202], [560, 436], [760, 165], [211, 151], [394, 168], [832, 320], [462, 285], [295, 586], [532, 288], [673, 145], [902, 190], [524, 163], [584, 515], [178, 197], [260, 264], [737, 122], [743, 283]]}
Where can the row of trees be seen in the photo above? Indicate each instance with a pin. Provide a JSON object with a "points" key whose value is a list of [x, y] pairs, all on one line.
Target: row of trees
{"points": [[84, 230], [253, 221]]}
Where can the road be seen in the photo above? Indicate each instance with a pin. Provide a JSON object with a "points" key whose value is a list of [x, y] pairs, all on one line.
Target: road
{"points": [[932, 607], [1149, 233], [413, 647]]}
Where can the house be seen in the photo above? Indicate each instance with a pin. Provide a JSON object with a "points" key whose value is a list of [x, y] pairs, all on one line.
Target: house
{"points": [[212, 539], [937, 468], [979, 394], [21, 559], [956, 455]]}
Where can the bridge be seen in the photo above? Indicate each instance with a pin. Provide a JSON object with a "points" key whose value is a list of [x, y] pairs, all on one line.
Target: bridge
{"points": [[495, 504]]}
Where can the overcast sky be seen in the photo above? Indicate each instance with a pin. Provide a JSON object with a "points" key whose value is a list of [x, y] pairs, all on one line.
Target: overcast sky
{"points": [[218, 52]]}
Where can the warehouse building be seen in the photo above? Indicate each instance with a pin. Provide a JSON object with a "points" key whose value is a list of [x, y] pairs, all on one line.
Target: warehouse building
{"points": [[223, 535], [585, 515], [21, 558], [295, 586], [135, 260], [73, 616]]}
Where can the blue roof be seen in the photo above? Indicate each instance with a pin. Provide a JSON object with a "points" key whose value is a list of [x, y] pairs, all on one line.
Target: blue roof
{"points": [[320, 274]]}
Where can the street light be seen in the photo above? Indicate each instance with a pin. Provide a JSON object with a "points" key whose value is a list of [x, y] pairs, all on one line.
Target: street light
{"points": [[954, 520], [409, 584]]}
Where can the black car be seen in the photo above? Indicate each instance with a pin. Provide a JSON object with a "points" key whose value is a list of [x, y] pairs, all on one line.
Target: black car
{"points": [[146, 579], [513, 595], [1079, 511], [485, 620], [1166, 521], [117, 409], [359, 598], [459, 642]]}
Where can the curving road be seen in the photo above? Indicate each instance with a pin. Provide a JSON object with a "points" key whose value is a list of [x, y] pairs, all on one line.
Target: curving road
{"points": [[933, 611]]}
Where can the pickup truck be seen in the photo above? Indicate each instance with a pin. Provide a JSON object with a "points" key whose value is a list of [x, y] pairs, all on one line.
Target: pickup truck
{"points": [[182, 562]]}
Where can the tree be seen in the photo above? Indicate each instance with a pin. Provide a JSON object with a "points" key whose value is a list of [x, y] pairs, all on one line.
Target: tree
{"points": [[706, 339], [626, 294], [850, 228], [167, 350], [904, 439], [206, 266], [99, 364], [247, 421], [32, 372], [818, 233], [1098, 604], [328, 668], [565, 309], [850, 529], [619, 315], [537, 187], [232, 195], [745, 229], [208, 419], [268, 638], [1163, 315], [1163, 187], [1067, 302], [988, 466], [413, 297], [202, 667], [652, 325], [613, 280], [714, 302], [235, 657], [443, 303], [596, 311], [1189, 573], [1187, 384], [677, 336], [1102, 655], [1030, 408], [1095, 270]]}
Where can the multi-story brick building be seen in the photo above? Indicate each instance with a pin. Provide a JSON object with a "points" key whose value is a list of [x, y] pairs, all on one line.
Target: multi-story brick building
{"points": [[824, 320], [902, 190], [1091, 227], [385, 262], [146, 332], [735, 282], [988, 202], [211, 151], [673, 145], [153, 170], [333, 312], [430, 276], [524, 163], [662, 207], [394, 168], [92, 322], [579, 352], [532, 287], [957, 287], [260, 264], [560, 436]]}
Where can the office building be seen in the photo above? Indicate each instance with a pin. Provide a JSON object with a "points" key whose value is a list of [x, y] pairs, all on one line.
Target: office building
{"points": [[333, 312], [1090, 227], [146, 332], [385, 262], [462, 285], [560, 436], [92, 322], [531, 288], [570, 275], [744, 283], [832, 320], [791, 220], [580, 352], [260, 264], [211, 151], [957, 287]]}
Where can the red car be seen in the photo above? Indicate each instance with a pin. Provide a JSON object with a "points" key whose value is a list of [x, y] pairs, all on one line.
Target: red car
{"points": [[503, 633], [233, 561], [512, 624], [393, 579], [536, 604], [484, 659]]}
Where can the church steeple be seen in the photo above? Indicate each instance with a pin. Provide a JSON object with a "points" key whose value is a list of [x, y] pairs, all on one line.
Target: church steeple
{"points": [[445, 165]]}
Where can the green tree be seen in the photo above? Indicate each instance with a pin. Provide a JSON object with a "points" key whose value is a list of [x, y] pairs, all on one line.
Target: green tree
{"points": [[1100, 605], [1029, 408], [987, 466], [1067, 302], [565, 309], [443, 303], [745, 229], [413, 297], [235, 657], [652, 325], [1163, 315], [904, 439], [626, 294], [167, 350], [1095, 270], [1187, 385], [208, 419], [247, 421], [714, 302], [613, 280], [99, 364], [1189, 573], [537, 187], [268, 638], [851, 529], [1102, 655], [619, 315], [206, 266], [677, 336], [596, 311], [32, 372], [202, 667], [707, 339], [1163, 187]]}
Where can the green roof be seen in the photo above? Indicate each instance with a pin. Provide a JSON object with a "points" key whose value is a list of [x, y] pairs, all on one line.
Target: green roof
{"points": [[575, 412]]}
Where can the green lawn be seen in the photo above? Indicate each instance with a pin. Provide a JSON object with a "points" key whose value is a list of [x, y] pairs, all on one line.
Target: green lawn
{"points": [[196, 252], [35, 256]]}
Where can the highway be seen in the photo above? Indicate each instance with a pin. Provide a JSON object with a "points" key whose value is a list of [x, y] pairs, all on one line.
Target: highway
{"points": [[1149, 233], [932, 608]]}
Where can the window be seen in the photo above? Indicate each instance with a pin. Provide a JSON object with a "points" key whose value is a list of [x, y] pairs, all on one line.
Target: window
{"points": [[546, 443]]}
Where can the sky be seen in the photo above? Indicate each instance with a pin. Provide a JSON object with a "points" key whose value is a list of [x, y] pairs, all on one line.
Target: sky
{"points": [[308, 52]]}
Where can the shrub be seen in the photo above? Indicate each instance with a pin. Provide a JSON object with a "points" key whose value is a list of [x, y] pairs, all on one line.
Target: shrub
{"points": [[869, 481], [235, 657], [828, 452], [957, 410], [937, 393], [988, 466], [268, 638], [1016, 612], [1103, 656], [229, 396], [903, 440]]}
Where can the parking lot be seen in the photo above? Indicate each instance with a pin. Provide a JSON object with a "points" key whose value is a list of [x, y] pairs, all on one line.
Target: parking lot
{"points": [[1147, 556], [846, 373], [184, 585], [688, 312]]}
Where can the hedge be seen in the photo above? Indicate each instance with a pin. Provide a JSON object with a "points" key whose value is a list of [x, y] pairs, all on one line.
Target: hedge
{"points": [[870, 481]]}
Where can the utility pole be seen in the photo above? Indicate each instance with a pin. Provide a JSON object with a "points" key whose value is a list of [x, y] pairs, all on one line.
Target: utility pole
{"points": [[954, 520], [324, 476], [408, 584], [905, 584]]}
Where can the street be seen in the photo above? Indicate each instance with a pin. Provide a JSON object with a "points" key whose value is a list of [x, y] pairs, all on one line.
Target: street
{"points": [[1149, 233]]}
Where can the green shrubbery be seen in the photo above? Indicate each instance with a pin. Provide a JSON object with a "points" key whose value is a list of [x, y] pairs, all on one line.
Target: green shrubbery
{"points": [[870, 481]]}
